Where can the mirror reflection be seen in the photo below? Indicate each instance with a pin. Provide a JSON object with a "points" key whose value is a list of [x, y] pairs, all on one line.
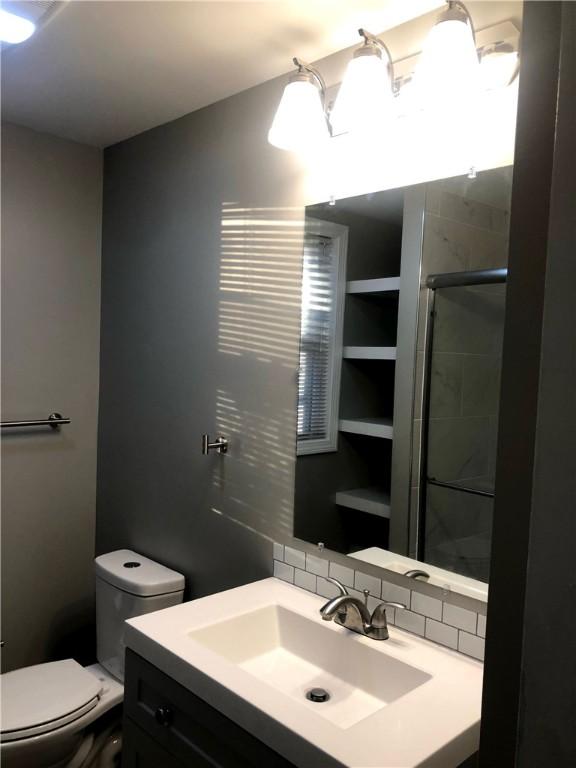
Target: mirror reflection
{"points": [[402, 316]]}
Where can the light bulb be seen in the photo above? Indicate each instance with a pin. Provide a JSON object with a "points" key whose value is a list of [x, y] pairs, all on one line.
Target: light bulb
{"points": [[300, 122], [447, 72], [365, 98], [15, 29]]}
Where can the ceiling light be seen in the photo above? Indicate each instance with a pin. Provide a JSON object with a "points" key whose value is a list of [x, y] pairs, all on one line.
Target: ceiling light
{"points": [[498, 65], [448, 68], [15, 29], [366, 96], [300, 121]]}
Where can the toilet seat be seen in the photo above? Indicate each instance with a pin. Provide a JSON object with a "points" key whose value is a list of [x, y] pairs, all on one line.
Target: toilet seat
{"points": [[45, 697]]}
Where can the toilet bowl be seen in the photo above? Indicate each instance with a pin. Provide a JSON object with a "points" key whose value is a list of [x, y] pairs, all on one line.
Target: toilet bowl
{"points": [[52, 709], [63, 715]]}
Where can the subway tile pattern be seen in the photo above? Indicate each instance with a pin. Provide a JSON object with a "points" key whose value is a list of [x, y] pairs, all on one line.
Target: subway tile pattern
{"points": [[471, 645], [449, 625]]}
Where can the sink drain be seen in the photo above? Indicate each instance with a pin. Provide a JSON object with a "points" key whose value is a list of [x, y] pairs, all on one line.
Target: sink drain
{"points": [[318, 695]]}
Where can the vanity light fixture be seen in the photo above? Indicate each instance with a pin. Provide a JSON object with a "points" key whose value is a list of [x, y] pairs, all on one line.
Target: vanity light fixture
{"points": [[366, 96], [450, 74], [300, 122], [448, 69], [15, 29]]}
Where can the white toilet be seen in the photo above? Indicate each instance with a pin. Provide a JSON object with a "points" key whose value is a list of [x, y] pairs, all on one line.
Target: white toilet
{"points": [[63, 715]]}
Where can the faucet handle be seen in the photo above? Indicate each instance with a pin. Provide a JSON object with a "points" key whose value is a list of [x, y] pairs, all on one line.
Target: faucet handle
{"points": [[341, 587], [379, 619], [391, 604]]}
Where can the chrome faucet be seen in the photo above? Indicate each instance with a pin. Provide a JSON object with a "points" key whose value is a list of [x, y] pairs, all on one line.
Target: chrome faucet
{"points": [[352, 613]]}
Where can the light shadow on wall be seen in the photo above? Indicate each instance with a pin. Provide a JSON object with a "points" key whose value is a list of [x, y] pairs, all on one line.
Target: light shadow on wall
{"points": [[258, 342]]}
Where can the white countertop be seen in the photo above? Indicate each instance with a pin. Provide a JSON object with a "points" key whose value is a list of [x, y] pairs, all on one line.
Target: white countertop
{"points": [[434, 725]]}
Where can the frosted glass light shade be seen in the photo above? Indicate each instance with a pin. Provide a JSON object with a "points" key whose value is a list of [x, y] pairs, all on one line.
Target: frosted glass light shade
{"points": [[15, 29], [497, 68], [299, 123], [365, 98], [448, 69]]}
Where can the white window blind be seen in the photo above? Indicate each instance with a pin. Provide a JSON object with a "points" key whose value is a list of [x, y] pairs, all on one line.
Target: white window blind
{"points": [[319, 369]]}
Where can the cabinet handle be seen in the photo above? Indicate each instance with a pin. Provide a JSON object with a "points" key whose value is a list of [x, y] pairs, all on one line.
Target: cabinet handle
{"points": [[163, 715]]}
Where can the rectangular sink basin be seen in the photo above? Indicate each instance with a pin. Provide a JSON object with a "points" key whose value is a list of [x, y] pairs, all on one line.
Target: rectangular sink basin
{"points": [[253, 653], [294, 654]]}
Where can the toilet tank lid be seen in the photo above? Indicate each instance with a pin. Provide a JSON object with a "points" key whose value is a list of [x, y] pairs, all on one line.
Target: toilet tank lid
{"points": [[137, 574]]}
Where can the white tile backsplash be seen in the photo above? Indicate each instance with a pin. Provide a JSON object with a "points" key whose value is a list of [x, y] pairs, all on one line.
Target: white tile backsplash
{"points": [[471, 645], [295, 557], [326, 588], [363, 581], [442, 633], [316, 565], [283, 571], [459, 617], [412, 622], [441, 622], [426, 605], [395, 594], [481, 628], [305, 580], [342, 573]]}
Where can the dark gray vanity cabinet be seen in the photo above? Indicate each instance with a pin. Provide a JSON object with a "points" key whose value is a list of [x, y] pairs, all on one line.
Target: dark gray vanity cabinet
{"points": [[141, 751], [167, 726]]}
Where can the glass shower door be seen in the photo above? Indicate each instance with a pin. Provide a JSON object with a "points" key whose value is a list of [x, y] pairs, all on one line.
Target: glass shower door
{"points": [[460, 426]]}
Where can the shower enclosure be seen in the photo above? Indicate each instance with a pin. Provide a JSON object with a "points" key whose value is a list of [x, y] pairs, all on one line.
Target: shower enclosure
{"points": [[461, 398]]}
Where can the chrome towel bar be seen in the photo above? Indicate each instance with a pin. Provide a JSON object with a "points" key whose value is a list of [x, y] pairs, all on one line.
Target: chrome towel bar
{"points": [[53, 421]]}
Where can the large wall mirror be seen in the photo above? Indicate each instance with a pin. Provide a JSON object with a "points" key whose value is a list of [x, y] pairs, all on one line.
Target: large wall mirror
{"points": [[403, 304]]}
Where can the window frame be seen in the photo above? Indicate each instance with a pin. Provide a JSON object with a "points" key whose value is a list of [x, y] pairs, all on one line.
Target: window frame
{"points": [[338, 233]]}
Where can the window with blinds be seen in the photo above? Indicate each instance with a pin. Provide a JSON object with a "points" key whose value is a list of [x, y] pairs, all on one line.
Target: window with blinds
{"points": [[319, 369]]}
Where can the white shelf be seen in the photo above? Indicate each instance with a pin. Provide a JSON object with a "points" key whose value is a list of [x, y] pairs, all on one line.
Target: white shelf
{"points": [[378, 285], [368, 427], [369, 353], [372, 500]]}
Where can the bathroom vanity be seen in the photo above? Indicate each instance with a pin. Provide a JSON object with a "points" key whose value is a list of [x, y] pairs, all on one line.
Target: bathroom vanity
{"points": [[223, 682], [167, 725]]}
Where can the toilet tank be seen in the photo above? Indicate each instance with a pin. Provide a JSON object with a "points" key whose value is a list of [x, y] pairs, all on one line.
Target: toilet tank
{"points": [[128, 585]]}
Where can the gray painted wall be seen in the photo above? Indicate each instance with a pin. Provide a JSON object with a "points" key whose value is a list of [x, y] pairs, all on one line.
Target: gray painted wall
{"points": [[51, 223], [200, 326], [200, 316]]}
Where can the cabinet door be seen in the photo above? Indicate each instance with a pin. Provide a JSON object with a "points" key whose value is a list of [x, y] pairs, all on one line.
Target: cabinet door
{"points": [[140, 751], [186, 726]]}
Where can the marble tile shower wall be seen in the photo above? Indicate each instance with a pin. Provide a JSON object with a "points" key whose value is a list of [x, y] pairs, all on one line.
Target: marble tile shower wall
{"points": [[465, 228], [450, 625]]}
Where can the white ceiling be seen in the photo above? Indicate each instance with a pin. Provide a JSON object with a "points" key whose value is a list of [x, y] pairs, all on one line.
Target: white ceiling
{"points": [[99, 72]]}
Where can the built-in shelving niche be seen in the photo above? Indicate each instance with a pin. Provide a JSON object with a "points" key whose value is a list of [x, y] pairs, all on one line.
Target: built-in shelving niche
{"points": [[362, 498], [366, 417], [343, 498]]}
